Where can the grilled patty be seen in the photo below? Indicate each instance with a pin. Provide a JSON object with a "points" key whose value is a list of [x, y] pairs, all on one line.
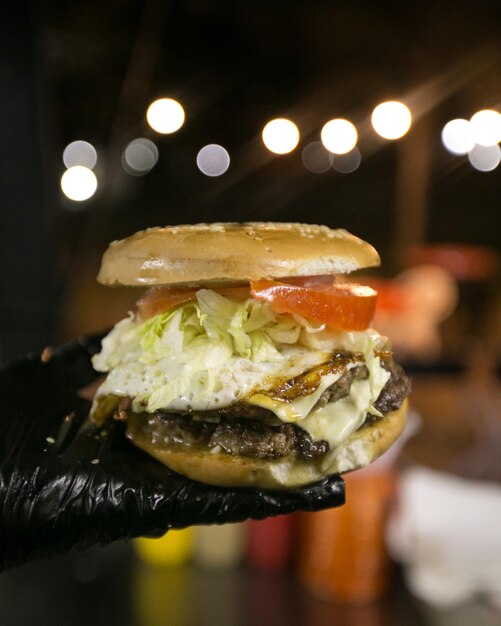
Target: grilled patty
{"points": [[264, 436], [238, 436]]}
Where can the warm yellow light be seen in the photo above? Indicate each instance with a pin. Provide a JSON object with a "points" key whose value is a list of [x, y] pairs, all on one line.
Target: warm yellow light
{"points": [[79, 183], [165, 115], [280, 136], [486, 126], [457, 136], [339, 136], [391, 119]]}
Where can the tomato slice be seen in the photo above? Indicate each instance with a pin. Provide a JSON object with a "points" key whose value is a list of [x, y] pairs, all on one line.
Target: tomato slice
{"points": [[160, 299], [340, 306]]}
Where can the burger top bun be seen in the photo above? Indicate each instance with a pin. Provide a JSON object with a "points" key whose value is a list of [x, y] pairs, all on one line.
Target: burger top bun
{"points": [[204, 253]]}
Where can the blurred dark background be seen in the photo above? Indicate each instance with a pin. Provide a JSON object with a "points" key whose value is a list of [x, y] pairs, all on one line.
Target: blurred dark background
{"points": [[89, 70]]}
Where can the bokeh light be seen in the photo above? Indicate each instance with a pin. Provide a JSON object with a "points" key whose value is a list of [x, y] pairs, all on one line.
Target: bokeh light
{"points": [[347, 163], [213, 160], [391, 120], [485, 158], [486, 126], [80, 153], [316, 158], [79, 183], [280, 136], [457, 136], [139, 157], [165, 115], [339, 136]]}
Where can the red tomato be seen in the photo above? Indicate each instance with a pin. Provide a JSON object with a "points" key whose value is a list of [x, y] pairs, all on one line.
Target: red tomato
{"points": [[341, 306], [160, 299]]}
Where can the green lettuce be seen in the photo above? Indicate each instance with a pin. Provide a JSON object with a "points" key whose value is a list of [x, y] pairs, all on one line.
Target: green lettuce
{"points": [[182, 353]]}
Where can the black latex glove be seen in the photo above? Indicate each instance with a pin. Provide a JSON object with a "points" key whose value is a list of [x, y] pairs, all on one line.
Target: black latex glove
{"points": [[65, 487]]}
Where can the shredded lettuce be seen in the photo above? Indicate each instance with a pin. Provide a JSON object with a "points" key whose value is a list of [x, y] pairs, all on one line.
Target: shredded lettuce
{"points": [[187, 346], [186, 353]]}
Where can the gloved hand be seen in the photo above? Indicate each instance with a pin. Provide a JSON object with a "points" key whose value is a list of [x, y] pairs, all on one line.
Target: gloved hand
{"points": [[66, 484]]}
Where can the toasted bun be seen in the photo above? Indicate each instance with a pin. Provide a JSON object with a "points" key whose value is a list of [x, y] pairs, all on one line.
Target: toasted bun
{"points": [[204, 253], [362, 447]]}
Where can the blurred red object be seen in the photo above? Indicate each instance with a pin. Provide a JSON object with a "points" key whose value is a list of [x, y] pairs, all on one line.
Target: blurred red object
{"points": [[411, 308], [270, 542], [391, 296], [464, 262]]}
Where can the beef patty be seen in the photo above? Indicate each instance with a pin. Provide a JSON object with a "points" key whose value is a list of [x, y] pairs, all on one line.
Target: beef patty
{"points": [[247, 430]]}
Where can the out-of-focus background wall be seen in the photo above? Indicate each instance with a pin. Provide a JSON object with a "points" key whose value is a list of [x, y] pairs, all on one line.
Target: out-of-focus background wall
{"points": [[88, 157]]}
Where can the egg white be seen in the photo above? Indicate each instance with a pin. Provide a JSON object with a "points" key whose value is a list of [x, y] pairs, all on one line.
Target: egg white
{"points": [[235, 380]]}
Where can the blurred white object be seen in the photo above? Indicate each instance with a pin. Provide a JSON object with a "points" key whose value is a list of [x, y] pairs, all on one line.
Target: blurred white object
{"points": [[219, 546], [447, 534]]}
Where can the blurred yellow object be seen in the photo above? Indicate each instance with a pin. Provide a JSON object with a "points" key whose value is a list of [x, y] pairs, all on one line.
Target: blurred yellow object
{"points": [[172, 550], [162, 596]]}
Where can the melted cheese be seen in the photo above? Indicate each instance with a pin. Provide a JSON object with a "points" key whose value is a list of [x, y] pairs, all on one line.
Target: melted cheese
{"points": [[335, 421], [338, 420], [298, 409]]}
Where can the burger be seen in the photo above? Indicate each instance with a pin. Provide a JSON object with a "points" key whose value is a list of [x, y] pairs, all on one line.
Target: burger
{"points": [[250, 359]]}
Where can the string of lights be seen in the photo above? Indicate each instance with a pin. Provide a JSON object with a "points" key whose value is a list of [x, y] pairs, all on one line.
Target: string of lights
{"points": [[478, 138]]}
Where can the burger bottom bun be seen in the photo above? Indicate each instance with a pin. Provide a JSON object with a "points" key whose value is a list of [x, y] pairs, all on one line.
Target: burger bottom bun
{"points": [[225, 470]]}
